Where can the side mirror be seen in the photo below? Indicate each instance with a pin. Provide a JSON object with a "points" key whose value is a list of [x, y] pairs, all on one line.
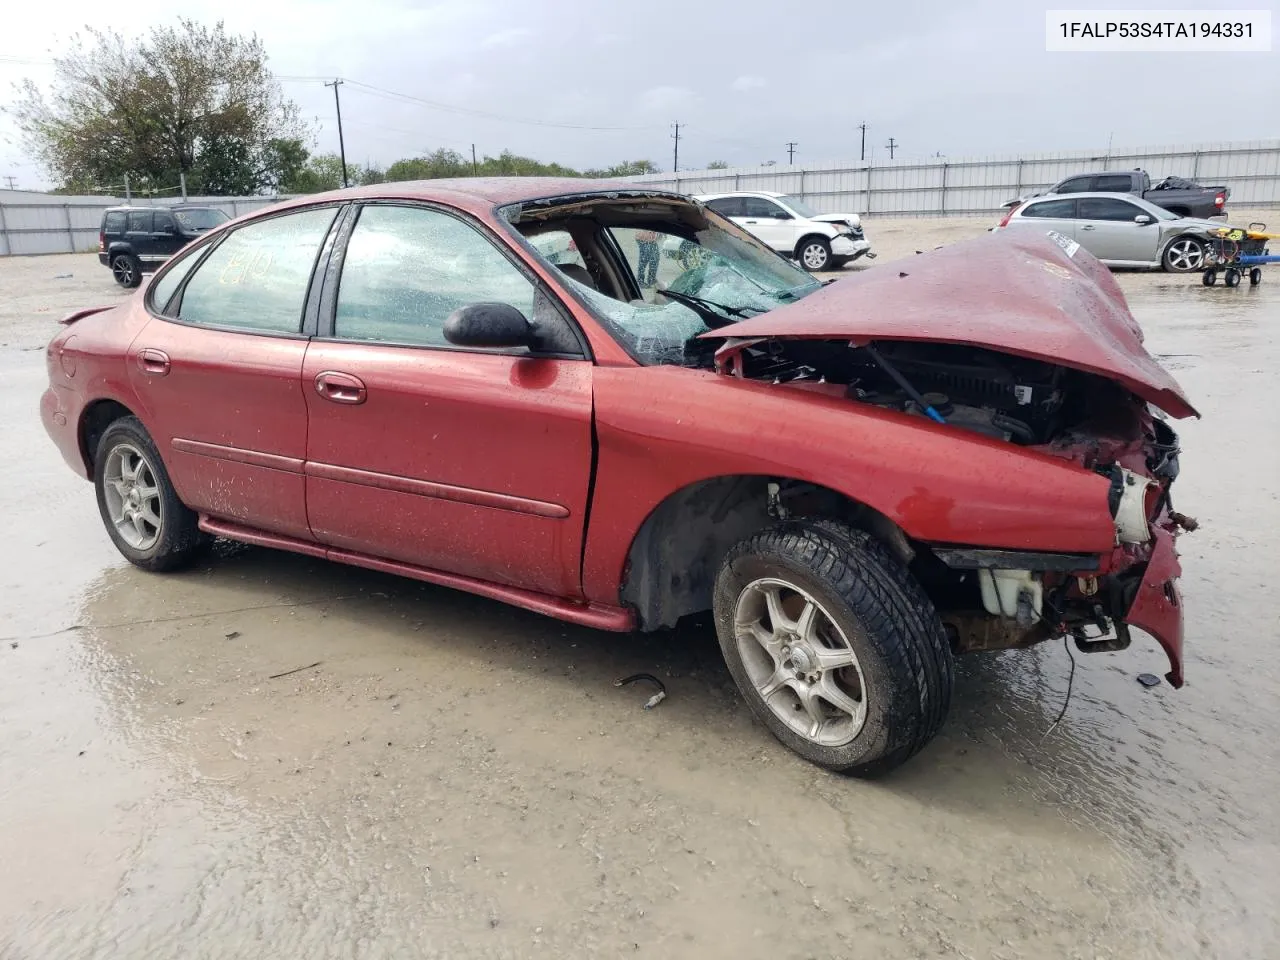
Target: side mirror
{"points": [[1142, 218], [488, 325]]}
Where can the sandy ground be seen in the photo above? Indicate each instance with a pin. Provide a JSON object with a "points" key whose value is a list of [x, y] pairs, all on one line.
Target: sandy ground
{"points": [[456, 778]]}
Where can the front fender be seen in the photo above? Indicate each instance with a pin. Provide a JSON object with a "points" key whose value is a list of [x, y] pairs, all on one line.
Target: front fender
{"points": [[660, 429]]}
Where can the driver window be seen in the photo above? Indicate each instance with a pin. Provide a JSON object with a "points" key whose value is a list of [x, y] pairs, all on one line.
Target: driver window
{"points": [[763, 209], [407, 268]]}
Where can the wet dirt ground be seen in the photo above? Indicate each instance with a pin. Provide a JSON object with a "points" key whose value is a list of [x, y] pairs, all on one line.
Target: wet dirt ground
{"points": [[450, 777]]}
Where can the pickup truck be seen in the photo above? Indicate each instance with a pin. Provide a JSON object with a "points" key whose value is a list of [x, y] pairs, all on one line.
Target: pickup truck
{"points": [[1185, 198]]}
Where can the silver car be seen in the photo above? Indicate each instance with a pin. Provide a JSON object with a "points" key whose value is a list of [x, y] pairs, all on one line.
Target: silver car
{"points": [[1121, 231]]}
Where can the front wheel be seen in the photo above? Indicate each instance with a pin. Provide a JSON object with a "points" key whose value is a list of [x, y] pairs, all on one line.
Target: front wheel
{"points": [[149, 525], [1184, 255], [814, 254], [1232, 277], [834, 645], [1210, 278], [1255, 276]]}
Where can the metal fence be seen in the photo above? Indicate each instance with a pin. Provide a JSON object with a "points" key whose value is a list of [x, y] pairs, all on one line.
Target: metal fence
{"points": [[944, 186], [32, 223]]}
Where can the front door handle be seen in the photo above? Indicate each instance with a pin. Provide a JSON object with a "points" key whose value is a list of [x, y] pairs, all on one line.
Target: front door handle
{"points": [[340, 387], [153, 361], [1086, 227]]}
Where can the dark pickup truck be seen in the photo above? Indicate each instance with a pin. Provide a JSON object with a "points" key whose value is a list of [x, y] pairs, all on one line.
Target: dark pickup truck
{"points": [[1185, 198]]}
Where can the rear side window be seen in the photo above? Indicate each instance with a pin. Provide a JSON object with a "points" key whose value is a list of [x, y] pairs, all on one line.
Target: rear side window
{"points": [[164, 286], [728, 206], [1057, 209], [1114, 184], [114, 222], [1104, 208], [164, 221], [1075, 185], [257, 278], [140, 221]]}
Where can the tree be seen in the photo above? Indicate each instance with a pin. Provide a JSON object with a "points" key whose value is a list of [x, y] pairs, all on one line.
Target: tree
{"points": [[717, 165], [628, 168], [187, 99]]}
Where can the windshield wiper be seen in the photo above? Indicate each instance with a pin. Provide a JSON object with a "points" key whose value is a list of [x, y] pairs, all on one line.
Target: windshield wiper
{"points": [[705, 307]]}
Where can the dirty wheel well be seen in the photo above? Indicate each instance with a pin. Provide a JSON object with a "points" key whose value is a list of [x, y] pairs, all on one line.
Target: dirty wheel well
{"points": [[673, 560], [97, 417]]}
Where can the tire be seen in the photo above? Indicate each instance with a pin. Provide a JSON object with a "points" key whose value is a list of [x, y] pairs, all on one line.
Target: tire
{"points": [[1255, 276], [814, 254], [153, 530], [889, 701], [1183, 255], [127, 270], [1232, 277], [1210, 278]]}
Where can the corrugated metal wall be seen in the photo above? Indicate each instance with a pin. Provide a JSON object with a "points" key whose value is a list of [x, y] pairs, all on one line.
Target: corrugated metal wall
{"points": [[47, 223], [945, 186]]}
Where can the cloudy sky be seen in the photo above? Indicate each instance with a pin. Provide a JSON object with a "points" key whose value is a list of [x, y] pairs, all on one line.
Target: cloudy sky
{"points": [[589, 82]]}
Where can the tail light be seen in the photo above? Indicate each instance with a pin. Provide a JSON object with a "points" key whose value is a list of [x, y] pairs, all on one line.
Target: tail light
{"points": [[1220, 200], [1012, 210], [102, 243]]}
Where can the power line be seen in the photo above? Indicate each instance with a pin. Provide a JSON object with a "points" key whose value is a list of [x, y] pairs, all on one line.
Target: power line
{"points": [[863, 128], [342, 147], [891, 145], [11, 182], [791, 151], [675, 158]]}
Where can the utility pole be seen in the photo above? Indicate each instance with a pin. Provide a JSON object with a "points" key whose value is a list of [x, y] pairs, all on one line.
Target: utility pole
{"points": [[342, 147], [863, 128], [675, 159], [475, 170], [11, 182], [892, 143], [791, 151]]}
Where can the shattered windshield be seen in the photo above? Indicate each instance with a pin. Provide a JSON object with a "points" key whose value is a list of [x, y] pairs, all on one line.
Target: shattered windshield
{"points": [[679, 283]]}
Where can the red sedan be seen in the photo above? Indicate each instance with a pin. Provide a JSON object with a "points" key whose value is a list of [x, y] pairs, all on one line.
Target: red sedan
{"points": [[610, 405]]}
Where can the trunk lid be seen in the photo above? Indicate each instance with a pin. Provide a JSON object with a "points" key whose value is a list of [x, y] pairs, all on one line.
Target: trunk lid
{"points": [[1026, 295]]}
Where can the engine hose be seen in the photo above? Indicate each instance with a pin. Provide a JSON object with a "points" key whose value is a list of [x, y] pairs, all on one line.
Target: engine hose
{"points": [[1014, 426], [902, 381]]}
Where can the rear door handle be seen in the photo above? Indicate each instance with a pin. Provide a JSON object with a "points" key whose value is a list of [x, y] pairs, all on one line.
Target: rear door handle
{"points": [[340, 387], [1086, 227], [153, 361]]}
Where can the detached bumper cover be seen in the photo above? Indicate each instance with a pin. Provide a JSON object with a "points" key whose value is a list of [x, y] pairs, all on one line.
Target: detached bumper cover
{"points": [[1157, 607]]}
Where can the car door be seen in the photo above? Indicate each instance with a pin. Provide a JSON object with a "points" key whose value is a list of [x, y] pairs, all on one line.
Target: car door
{"points": [[138, 235], [1105, 226], [769, 222], [165, 238], [218, 370], [1047, 215], [474, 462]]}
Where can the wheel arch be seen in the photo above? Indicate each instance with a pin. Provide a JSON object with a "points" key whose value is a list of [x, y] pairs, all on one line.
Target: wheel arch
{"points": [[673, 557], [1164, 250], [96, 417], [811, 235]]}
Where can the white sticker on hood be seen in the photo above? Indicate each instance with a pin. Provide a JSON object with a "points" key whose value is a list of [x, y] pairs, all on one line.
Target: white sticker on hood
{"points": [[1065, 242]]}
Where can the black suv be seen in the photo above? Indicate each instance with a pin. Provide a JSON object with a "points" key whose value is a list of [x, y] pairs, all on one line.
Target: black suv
{"points": [[136, 240]]}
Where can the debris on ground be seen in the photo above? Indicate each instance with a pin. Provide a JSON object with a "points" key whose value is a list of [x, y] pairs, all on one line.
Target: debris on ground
{"points": [[1148, 680], [653, 701], [277, 676]]}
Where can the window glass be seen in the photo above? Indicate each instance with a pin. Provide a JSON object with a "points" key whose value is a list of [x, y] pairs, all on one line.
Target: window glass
{"points": [[114, 222], [1104, 208], [407, 268], [200, 218], [1114, 184], [163, 287], [728, 206], [140, 220], [258, 276], [164, 221], [1074, 185], [801, 208], [1058, 209], [762, 208]]}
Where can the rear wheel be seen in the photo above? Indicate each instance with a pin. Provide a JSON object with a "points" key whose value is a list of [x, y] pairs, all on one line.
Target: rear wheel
{"points": [[1184, 255], [1232, 277], [149, 525], [127, 269], [1210, 278], [834, 645], [814, 254], [1255, 276]]}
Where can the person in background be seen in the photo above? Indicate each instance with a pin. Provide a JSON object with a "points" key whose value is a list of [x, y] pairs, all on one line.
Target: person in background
{"points": [[647, 274]]}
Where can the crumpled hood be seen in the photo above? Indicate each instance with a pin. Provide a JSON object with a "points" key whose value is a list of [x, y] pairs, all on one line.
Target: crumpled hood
{"points": [[1010, 291], [850, 218]]}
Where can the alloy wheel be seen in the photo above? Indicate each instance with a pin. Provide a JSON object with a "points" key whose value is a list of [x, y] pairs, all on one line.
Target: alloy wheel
{"points": [[1185, 255], [122, 269], [814, 256], [132, 497], [800, 662]]}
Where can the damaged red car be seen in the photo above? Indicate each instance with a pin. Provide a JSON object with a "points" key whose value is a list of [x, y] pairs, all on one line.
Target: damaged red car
{"points": [[613, 406]]}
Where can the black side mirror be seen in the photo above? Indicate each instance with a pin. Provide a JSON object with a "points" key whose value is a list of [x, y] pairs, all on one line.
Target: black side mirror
{"points": [[488, 325]]}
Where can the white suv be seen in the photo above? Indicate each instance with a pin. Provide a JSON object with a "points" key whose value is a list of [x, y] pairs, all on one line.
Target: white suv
{"points": [[819, 241]]}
